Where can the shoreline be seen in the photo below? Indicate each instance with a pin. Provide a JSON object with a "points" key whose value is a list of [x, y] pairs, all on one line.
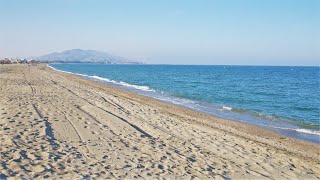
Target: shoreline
{"points": [[285, 127], [269, 132], [171, 141]]}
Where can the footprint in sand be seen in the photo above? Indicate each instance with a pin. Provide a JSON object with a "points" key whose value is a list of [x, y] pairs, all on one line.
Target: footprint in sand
{"points": [[37, 168], [31, 156], [94, 132]]}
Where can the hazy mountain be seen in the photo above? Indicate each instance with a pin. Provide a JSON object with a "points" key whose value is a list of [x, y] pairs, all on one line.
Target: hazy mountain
{"points": [[79, 55]]}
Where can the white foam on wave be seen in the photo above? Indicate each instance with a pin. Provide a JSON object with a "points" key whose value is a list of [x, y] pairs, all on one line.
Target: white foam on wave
{"points": [[121, 83], [66, 71], [102, 79], [178, 101], [227, 108], [144, 88], [57, 69], [308, 131], [300, 130]]}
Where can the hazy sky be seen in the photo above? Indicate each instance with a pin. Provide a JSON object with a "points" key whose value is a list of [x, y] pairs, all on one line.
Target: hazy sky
{"points": [[262, 32]]}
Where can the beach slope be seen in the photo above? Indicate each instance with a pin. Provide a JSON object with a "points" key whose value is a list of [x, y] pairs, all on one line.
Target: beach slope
{"points": [[54, 124]]}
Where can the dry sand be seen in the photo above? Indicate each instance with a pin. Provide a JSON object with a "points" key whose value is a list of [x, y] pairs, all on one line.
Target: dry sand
{"points": [[58, 125]]}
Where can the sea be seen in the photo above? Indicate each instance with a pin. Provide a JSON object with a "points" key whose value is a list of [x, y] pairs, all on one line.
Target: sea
{"points": [[285, 99]]}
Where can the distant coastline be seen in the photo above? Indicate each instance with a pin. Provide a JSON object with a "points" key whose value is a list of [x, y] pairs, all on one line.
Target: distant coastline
{"points": [[85, 56], [74, 56], [86, 62]]}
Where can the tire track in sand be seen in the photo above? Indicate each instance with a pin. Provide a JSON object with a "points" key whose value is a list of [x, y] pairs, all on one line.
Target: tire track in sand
{"points": [[118, 117]]}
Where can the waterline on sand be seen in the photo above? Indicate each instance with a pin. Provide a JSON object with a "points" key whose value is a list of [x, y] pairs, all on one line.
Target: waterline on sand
{"points": [[223, 111]]}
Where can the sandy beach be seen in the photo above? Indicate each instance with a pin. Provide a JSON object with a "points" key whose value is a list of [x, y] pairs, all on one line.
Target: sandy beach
{"points": [[57, 125]]}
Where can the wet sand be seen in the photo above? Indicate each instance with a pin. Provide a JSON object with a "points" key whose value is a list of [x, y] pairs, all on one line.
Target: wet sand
{"points": [[56, 125]]}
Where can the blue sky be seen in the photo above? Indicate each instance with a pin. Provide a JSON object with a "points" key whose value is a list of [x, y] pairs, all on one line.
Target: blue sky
{"points": [[256, 32]]}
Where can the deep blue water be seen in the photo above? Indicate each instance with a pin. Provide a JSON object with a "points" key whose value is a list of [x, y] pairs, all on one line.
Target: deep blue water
{"points": [[284, 99]]}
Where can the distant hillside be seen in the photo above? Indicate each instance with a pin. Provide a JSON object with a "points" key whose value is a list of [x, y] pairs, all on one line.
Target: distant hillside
{"points": [[85, 56]]}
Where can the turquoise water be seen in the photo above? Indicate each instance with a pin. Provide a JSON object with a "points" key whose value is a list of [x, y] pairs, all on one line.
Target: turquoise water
{"points": [[284, 99]]}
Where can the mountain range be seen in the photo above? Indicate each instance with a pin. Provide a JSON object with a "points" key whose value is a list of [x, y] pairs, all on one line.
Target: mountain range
{"points": [[85, 56]]}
